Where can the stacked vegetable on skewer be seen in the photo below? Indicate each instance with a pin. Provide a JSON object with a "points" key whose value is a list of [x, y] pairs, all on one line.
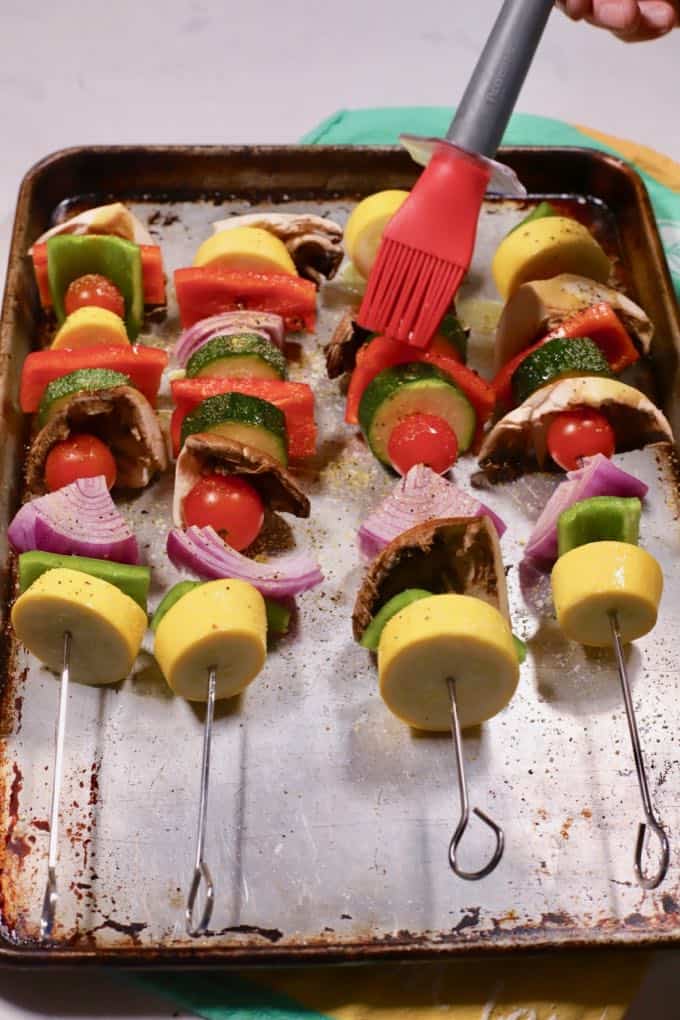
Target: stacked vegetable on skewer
{"points": [[239, 426], [414, 406], [564, 339], [563, 342], [83, 592], [94, 389], [433, 605]]}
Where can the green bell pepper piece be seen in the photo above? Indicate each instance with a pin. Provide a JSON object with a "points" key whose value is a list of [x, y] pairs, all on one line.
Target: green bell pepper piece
{"points": [[520, 648], [599, 519], [451, 329], [70, 256], [132, 580], [539, 212], [278, 617]]}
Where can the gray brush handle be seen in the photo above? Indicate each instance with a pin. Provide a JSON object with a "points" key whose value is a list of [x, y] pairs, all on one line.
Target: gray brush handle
{"points": [[489, 99]]}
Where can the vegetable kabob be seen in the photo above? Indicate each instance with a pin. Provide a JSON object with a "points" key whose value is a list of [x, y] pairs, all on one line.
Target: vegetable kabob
{"points": [[81, 608], [237, 424], [82, 617], [93, 391], [607, 591], [238, 420], [96, 272], [210, 643], [562, 343], [433, 605]]}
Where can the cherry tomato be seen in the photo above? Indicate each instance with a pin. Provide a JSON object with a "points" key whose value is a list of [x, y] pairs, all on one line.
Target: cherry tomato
{"points": [[229, 505], [80, 456], [96, 291], [579, 433], [423, 439]]}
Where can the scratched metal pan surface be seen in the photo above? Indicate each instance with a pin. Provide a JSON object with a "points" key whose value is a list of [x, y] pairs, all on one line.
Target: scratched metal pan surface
{"points": [[329, 820]]}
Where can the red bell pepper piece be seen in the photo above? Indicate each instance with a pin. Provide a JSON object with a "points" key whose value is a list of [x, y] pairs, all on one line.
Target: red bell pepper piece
{"points": [[206, 291], [381, 353], [144, 365], [153, 277], [296, 400], [599, 322]]}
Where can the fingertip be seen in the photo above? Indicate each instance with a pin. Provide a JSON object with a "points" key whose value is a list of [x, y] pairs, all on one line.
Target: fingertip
{"points": [[658, 16], [576, 9], [620, 16]]}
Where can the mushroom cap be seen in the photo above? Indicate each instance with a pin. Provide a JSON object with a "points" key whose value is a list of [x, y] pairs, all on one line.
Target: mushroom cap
{"points": [[341, 353], [454, 554], [313, 242], [114, 219], [204, 451], [122, 418], [519, 440], [537, 307]]}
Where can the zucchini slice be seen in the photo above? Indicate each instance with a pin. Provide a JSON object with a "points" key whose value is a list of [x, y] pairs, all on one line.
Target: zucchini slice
{"points": [[245, 419], [554, 360], [414, 388], [83, 380], [243, 354]]}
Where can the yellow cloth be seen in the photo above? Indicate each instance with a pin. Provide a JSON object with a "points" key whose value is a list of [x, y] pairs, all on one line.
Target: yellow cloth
{"points": [[571, 986]]}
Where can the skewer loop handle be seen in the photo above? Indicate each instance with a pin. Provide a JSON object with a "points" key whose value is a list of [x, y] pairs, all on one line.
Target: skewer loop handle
{"points": [[464, 820], [201, 874]]}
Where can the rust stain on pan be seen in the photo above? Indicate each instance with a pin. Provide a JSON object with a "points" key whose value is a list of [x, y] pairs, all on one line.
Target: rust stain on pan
{"points": [[13, 848]]}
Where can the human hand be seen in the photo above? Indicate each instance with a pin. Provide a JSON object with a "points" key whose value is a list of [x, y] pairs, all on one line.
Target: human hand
{"points": [[630, 20]]}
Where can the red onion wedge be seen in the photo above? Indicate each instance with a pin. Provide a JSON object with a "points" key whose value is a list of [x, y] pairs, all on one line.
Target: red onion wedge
{"points": [[202, 551], [79, 520], [265, 324], [597, 477], [421, 495]]}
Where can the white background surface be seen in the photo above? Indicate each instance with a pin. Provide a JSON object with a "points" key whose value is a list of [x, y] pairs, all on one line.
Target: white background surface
{"points": [[73, 73]]}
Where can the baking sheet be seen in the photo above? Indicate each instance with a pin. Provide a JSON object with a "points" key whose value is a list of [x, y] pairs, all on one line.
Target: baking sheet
{"points": [[329, 820]]}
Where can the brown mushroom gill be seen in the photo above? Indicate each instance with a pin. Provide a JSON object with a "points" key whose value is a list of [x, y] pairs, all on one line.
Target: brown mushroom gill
{"points": [[122, 418], [459, 555]]}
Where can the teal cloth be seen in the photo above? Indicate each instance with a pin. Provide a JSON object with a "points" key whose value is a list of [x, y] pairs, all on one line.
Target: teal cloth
{"points": [[229, 996], [383, 126], [225, 996]]}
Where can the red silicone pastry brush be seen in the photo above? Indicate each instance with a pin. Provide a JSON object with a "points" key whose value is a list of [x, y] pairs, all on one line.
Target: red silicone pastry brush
{"points": [[427, 246]]}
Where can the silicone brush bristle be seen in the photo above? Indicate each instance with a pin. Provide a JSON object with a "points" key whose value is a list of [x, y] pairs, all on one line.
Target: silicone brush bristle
{"points": [[426, 250], [408, 293]]}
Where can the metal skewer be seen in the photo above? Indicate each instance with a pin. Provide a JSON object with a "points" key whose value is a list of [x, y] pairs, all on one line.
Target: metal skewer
{"points": [[51, 895], [651, 821], [463, 821], [201, 870]]}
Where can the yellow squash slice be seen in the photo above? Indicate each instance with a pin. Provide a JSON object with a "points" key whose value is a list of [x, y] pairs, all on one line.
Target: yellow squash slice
{"points": [[545, 248], [245, 249], [90, 327], [444, 636], [592, 580], [364, 228], [223, 624], [106, 626]]}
